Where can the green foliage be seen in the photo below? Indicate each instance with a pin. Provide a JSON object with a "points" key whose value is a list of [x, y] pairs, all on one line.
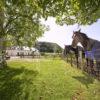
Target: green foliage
{"points": [[21, 20], [71, 11], [19, 23]]}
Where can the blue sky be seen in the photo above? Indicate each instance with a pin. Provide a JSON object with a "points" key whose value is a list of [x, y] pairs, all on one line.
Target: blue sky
{"points": [[62, 35]]}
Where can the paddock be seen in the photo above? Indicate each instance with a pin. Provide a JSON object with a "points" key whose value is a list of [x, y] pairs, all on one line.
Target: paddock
{"points": [[47, 79]]}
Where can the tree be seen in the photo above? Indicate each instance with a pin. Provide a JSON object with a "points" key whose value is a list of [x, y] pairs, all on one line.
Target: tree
{"points": [[19, 23], [71, 11], [82, 12]]}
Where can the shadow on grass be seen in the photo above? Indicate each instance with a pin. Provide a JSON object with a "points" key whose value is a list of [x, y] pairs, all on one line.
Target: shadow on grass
{"points": [[13, 81], [85, 80]]}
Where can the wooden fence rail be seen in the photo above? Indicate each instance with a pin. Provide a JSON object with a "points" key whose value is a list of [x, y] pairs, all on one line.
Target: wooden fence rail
{"points": [[85, 64]]}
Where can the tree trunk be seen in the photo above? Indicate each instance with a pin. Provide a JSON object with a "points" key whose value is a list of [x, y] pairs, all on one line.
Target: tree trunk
{"points": [[2, 41], [2, 53]]}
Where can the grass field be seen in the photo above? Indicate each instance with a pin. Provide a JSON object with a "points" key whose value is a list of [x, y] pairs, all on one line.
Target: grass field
{"points": [[46, 79]]}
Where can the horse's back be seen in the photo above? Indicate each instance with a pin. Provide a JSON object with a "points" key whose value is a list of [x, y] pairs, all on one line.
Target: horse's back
{"points": [[96, 49]]}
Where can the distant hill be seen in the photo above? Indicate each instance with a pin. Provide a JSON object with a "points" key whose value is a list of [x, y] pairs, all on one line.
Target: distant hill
{"points": [[48, 47]]}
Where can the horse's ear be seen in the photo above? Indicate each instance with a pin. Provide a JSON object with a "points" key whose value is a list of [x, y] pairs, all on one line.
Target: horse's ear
{"points": [[79, 30]]}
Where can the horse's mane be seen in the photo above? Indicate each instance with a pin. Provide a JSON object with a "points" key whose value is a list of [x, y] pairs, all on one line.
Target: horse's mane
{"points": [[84, 35]]}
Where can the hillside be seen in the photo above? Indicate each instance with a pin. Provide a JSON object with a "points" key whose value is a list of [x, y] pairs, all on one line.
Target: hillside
{"points": [[48, 47]]}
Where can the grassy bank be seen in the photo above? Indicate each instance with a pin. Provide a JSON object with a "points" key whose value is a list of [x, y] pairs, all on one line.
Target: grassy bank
{"points": [[46, 79]]}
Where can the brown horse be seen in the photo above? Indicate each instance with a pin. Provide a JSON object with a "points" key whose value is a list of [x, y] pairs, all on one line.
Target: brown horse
{"points": [[76, 51], [91, 46]]}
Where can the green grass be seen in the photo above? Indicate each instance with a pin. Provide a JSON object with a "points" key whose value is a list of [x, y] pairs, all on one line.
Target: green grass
{"points": [[46, 79]]}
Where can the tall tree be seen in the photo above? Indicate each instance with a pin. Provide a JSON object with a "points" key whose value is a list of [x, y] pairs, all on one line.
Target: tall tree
{"points": [[19, 23]]}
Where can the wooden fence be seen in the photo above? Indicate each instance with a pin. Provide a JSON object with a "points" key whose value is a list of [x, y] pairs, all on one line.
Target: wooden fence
{"points": [[84, 63]]}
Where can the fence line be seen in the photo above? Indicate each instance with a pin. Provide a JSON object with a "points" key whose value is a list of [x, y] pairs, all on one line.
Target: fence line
{"points": [[84, 64]]}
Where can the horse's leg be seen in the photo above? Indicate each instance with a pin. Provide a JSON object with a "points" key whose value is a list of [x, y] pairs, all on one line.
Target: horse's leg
{"points": [[67, 58], [76, 57], [98, 69], [91, 67], [87, 64], [71, 61]]}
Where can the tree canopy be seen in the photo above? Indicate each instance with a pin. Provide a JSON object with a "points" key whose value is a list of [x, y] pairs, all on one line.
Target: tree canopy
{"points": [[71, 11], [20, 21]]}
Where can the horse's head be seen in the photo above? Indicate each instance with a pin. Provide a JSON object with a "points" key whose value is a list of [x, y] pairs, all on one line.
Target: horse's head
{"points": [[76, 38], [79, 37], [66, 50]]}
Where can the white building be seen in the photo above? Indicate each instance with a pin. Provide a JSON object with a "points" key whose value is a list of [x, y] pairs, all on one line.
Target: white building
{"points": [[23, 51]]}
